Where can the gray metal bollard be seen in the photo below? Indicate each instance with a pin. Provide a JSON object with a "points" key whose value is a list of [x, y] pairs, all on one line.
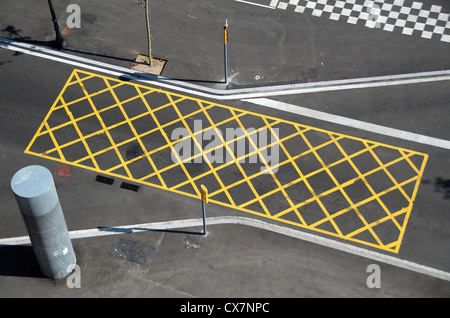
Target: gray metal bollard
{"points": [[35, 193]]}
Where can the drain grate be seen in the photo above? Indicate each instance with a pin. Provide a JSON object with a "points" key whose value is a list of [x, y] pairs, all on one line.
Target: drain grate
{"points": [[132, 251], [105, 180], [129, 186]]}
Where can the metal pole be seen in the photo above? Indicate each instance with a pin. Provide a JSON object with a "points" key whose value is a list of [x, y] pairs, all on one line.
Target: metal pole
{"points": [[60, 42], [35, 193], [225, 43], [204, 197], [204, 218]]}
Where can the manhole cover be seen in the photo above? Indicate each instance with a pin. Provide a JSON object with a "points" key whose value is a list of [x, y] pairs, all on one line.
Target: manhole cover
{"points": [[134, 151], [64, 171]]}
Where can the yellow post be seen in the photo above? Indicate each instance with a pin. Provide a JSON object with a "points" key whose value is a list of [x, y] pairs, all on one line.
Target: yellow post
{"points": [[204, 193], [225, 32], [225, 49]]}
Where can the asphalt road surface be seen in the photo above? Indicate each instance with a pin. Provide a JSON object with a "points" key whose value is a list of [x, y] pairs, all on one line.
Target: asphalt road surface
{"points": [[344, 161]]}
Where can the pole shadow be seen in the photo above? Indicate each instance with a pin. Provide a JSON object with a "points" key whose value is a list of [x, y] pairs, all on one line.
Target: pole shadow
{"points": [[14, 34], [131, 230]]}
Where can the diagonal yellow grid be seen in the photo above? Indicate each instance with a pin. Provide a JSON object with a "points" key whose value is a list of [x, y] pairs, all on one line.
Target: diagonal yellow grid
{"points": [[94, 128]]}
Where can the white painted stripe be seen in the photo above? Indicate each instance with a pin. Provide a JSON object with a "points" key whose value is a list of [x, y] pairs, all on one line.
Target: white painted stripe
{"points": [[253, 94], [170, 225], [382, 130], [221, 94], [257, 4], [274, 3], [20, 240], [375, 15]]}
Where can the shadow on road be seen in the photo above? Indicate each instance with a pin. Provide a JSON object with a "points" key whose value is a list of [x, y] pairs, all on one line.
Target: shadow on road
{"points": [[19, 261]]}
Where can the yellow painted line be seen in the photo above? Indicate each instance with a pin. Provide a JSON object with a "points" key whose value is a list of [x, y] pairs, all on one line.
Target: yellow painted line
{"points": [[84, 117], [111, 140], [369, 198], [58, 149], [168, 141], [255, 193], [196, 143], [413, 197], [136, 135], [83, 140], [215, 117]]}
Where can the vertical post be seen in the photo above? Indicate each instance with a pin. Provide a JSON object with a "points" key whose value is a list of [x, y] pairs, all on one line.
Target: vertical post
{"points": [[35, 193], [204, 192], [204, 218], [60, 42], [225, 43], [147, 18]]}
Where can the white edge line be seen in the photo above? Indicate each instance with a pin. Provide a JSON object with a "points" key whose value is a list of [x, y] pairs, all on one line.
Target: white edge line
{"points": [[256, 4], [253, 95], [221, 94], [298, 110], [379, 257]]}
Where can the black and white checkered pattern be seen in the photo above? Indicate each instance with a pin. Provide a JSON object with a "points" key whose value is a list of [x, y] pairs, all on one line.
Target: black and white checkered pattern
{"points": [[415, 17]]}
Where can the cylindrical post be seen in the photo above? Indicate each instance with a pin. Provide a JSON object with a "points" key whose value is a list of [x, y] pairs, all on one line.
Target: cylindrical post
{"points": [[225, 43], [35, 193], [204, 218], [204, 193]]}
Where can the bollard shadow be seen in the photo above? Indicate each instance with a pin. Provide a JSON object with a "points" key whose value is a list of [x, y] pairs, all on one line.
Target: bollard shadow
{"points": [[132, 230], [17, 260]]}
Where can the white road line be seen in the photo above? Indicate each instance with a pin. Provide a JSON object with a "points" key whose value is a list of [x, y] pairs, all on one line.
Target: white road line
{"points": [[254, 95], [222, 94], [179, 224], [441, 143], [257, 4]]}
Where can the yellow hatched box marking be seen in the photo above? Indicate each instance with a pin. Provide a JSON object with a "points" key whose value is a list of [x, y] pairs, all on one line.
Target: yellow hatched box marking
{"points": [[96, 129]]}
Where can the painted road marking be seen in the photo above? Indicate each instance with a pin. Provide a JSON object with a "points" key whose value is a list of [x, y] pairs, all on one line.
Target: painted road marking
{"points": [[221, 94], [358, 190], [271, 5], [247, 93], [177, 224], [388, 15], [382, 130]]}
